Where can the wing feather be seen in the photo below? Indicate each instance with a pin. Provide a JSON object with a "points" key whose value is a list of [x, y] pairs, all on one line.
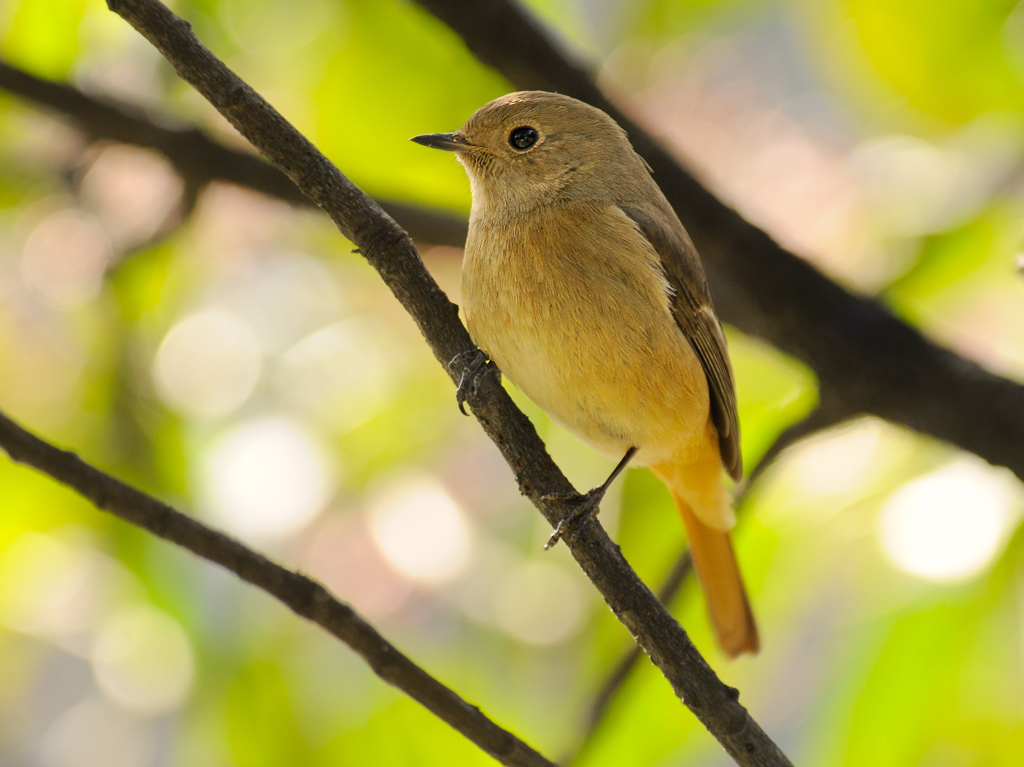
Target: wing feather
{"points": [[691, 306]]}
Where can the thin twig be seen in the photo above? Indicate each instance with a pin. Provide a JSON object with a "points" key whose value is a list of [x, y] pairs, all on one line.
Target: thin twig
{"points": [[390, 250], [302, 595]]}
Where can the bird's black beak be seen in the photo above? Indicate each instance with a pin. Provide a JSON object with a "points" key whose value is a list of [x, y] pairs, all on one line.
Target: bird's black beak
{"points": [[449, 142]]}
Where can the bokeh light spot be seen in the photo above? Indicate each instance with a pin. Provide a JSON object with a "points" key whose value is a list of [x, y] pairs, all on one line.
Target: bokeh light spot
{"points": [[420, 530], [95, 734], [266, 477], [50, 587], [143, 660], [317, 374], [913, 183], [539, 603], [208, 364], [65, 258], [838, 461], [133, 190], [948, 525]]}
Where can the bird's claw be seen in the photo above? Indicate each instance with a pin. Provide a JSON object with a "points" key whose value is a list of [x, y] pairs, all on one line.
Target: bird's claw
{"points": [[583, 508], [478, 366], [586, 505]]}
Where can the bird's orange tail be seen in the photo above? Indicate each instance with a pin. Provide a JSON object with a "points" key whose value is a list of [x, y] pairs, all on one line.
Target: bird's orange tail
{"points": [[719, 576]]}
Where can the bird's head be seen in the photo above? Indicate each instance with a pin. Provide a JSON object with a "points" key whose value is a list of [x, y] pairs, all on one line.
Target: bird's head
{"points": [[532, 148]]}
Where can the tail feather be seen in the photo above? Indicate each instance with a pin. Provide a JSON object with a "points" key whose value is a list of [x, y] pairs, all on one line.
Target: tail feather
{"points": [[719, 576]]}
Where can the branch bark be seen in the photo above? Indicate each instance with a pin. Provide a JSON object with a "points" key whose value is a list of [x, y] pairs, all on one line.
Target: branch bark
{"points": [[390, 250], [304, 596], [200, 159], [871, 360]]}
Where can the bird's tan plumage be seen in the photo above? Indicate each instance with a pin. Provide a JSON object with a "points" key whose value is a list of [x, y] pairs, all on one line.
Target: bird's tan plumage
{"points": [[583, 287]]}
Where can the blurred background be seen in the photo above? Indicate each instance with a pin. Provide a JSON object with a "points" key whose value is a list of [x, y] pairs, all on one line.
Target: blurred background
{"points": [[233, 357]]}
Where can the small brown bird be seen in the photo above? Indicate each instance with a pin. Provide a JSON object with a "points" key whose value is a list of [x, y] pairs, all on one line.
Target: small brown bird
{"points": [[582, 286]]}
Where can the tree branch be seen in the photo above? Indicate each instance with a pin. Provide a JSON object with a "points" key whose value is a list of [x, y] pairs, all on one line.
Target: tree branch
{"points": [[874, 362], [199, 159], [390, 250], [304, 596]]}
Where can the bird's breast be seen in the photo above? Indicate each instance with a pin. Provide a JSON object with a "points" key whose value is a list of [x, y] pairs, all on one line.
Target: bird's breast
{"points": [[572, 305]]}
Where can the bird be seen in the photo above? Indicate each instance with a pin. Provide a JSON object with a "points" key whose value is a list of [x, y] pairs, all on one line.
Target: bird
{"points": [[580, 284]]}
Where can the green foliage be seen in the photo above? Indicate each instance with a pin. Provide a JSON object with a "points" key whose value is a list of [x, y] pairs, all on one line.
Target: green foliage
{"points": [[43, 36], [949, 59], [250, 348]]}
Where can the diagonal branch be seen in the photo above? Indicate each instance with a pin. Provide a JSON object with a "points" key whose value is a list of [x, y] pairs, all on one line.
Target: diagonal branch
{"points": [[390, 250], [196, 157], [873, 361], [302, 595]]}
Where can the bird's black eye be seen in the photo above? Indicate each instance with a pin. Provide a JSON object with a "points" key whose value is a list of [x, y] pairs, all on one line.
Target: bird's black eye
{"points": [[523, 137]]}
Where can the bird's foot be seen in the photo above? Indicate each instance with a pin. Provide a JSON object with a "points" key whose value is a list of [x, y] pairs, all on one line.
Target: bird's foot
{"points": [[476, 368], [581, 508], [584, 506]]}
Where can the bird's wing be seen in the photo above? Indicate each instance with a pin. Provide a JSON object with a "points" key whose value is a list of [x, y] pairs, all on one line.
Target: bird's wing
{"points": [[691, 306]]}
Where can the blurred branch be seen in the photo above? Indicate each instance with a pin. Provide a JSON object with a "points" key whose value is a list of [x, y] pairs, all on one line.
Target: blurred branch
{"points": [[199, 159], [822, 417], [304, 596], [873, 361], [390, 250]]}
